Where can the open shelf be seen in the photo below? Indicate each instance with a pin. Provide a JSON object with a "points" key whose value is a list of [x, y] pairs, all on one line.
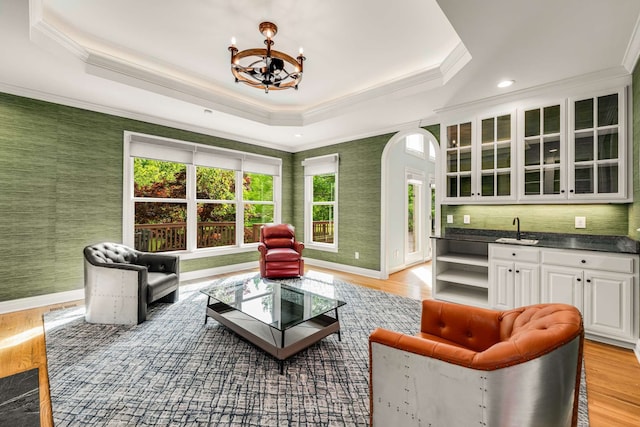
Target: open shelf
{"points": [[461, 272]]}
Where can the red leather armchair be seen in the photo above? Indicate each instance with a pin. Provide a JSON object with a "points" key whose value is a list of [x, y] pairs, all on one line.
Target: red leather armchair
{"points": [[280, 253]]}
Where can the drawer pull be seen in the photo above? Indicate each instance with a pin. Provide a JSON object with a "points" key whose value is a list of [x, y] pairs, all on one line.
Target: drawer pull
{"points": [[584, 261], [513, 254]]}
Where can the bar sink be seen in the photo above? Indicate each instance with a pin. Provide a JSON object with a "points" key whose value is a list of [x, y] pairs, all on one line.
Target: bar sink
{"points": [[514, 241]]}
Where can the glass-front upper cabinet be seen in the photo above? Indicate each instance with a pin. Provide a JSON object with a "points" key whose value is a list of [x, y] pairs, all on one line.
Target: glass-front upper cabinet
{"points": [[497, 155], [543, 154], [458, 161], [598, 147]]}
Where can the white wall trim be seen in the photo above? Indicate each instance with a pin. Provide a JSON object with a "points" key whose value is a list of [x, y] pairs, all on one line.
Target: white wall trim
{"points": [[41, 301], [343, 267], [633, 49], [636, 350]]}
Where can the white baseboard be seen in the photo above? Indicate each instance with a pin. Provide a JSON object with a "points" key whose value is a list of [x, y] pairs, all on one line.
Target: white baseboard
{"points": [[41, 301], [346, 268], [636, 350], [200, 274]]}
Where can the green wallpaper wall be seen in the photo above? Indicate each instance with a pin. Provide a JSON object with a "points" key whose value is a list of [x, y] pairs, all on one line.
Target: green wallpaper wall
{"points": [[358, 200], [61, 178]]}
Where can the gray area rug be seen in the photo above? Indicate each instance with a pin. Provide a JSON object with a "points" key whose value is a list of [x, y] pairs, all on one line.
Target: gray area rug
{"points": [[173, 370]]}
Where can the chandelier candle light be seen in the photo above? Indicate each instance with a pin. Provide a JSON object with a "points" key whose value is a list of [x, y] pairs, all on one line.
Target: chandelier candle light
{"points": [[266, 68]]}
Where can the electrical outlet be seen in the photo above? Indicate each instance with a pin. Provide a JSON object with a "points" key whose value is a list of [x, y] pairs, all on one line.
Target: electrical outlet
{"points": [[467, 219], [581, 222], [449, 219], [357, 255]]}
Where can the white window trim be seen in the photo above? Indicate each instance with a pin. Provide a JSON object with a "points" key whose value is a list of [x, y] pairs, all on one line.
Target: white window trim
{"points": [[242, 161], [321, 165]]}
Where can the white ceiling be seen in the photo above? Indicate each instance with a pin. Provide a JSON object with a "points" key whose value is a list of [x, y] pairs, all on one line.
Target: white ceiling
{"points": [[372, 66]]}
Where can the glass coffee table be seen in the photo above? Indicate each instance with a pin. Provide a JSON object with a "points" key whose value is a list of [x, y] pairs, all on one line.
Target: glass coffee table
{"points": [[282, 317]]}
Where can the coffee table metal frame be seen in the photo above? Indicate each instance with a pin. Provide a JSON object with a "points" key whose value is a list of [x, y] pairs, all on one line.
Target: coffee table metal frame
{"points": [[279, 343]]}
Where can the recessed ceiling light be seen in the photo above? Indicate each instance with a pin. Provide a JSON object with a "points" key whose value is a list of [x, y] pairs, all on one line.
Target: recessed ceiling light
{"points": [[506, 83]]}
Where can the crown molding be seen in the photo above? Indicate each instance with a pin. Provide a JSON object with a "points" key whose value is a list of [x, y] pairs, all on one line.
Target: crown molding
{"points": [[632, 53]]}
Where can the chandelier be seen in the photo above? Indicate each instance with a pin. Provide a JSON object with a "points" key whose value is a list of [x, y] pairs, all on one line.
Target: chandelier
{"points": [[266, 69]]}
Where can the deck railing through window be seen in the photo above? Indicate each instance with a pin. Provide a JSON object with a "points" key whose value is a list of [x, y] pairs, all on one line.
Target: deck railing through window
{"points": [[173, 236]]}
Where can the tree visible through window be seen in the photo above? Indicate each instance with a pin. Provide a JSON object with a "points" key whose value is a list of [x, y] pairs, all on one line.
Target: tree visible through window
{"points": [[323, 207]]}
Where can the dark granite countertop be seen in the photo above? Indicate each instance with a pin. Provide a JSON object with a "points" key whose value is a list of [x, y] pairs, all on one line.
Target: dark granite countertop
{"points": [[588, 242]]}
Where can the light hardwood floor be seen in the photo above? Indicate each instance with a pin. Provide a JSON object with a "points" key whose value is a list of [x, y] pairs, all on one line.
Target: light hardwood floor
{"points": [[613, 374]]}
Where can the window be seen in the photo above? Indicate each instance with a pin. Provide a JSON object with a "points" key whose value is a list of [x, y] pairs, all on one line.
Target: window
{"points": [[181, 196], [321, 202], [414, 145]]}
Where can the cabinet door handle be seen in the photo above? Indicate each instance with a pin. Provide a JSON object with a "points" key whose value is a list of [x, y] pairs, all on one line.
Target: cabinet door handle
{"points": [[510, 270], [588, 280], [584, 261], [579, 279], [517, 271], [513, 254]]}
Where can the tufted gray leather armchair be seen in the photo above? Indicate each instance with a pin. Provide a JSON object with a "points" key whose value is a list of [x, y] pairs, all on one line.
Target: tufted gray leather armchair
{"points": [[119, 282]]}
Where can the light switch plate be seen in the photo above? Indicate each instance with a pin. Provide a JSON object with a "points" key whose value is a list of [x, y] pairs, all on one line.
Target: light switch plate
{"points": [[449, 219], [467, 219], [581, 222]]}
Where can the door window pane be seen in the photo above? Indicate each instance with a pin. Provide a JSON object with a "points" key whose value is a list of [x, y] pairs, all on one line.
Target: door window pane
{"points": [[608, 144], [452, 136], [551, 181], [532, 123], [532, 182], [504, 156], [465, 160], [487, 131], [584, 114], [584, 147], [465, 134], [452, 161], [487, 158], [503, 128], [532, 152], [452, 186], [465, 186], [608, 110], [552, 150], [504, 184], [552, 119], [608, 178], [487, 185], [583, 179]]}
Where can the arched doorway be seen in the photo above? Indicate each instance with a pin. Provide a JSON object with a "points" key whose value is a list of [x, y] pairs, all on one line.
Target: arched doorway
{"points": [[409, 171]]}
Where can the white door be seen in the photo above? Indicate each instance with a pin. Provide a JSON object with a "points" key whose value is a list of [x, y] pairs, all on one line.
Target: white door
{"points": [[608, 304], [414, 218], [562, 285]]}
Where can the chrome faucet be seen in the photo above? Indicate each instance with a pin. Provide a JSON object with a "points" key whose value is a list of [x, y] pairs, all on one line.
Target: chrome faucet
{"points": [[517, 220]]}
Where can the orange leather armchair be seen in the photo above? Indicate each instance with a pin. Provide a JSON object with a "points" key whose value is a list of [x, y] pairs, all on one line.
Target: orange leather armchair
{"points": [[280, 253], [470, 366]]}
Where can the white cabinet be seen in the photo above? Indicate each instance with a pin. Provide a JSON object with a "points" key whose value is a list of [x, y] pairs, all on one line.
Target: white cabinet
{"points": [[479, 165], [598, 147], [565, 151], [460, 272], [603, 286], [514, 275]]}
